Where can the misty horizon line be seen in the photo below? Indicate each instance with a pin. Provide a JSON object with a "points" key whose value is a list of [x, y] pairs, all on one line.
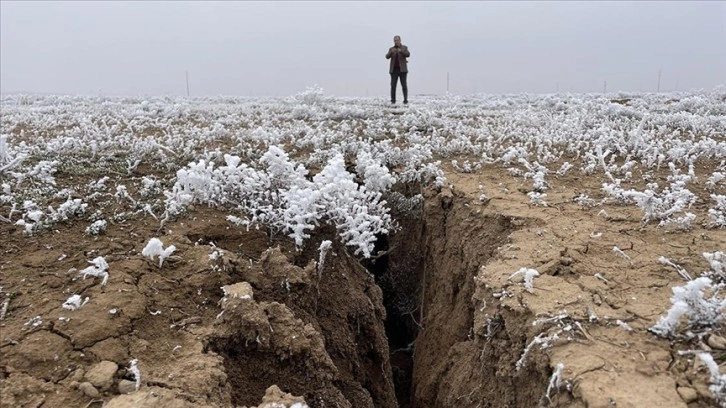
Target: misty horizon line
{"points": [[719, 87]]}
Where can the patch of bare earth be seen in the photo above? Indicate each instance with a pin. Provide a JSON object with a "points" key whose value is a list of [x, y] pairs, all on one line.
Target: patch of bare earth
{"points": [[433, 321]]}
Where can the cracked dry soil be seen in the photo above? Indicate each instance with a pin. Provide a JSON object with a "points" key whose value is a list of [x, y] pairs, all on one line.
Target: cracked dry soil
{"points": [[434, 321]]}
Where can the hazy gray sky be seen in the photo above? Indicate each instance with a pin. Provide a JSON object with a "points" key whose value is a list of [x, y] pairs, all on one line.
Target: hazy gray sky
{"points": [[280, 48]]}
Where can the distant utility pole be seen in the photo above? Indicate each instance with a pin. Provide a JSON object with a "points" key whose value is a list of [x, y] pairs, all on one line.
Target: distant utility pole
{"points": [[447, 82], [187, 72], [658, 89], [605, 87]]}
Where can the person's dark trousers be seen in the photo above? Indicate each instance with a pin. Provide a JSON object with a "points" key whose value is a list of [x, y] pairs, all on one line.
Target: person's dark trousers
{"points": [[395, 75]]}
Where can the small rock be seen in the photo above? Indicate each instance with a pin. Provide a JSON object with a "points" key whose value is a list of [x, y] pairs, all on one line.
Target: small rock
{"points": [[101, 374], [566, 261], [89, 389], [126, 387], [77, 375], [716, 342], [687, 394], [596, 299], [702, 390]]}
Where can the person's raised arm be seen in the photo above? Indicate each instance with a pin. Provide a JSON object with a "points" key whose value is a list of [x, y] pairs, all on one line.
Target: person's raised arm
{"points": [[390, 53], [405, 51]]}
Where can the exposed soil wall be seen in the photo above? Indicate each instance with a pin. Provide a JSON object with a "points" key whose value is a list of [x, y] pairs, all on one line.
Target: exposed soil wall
{"points": [[315, 332], [436, 319]]}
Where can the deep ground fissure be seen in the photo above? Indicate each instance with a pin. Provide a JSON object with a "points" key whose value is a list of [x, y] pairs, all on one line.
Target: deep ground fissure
{"points": [[399, 272], [356, 341]]}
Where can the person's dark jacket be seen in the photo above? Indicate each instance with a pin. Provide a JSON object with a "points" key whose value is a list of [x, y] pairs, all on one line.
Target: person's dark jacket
{"points": [[401, 56]]}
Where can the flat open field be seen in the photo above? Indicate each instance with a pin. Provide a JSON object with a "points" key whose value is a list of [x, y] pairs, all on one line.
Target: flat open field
{"points": [[489, 251]]}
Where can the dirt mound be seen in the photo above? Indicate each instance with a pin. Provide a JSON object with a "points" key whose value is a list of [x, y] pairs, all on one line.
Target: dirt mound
{"points": [[315, 332]]}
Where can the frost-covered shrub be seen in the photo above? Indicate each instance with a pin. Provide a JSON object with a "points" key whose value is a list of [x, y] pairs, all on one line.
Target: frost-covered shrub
{"points": [[134, 370], [42, 172], [98, 268], [408, 205], [99, 184], [583, 200], [537, 198], [156, 248], [715, 178], [34, 219], [718, 380], [150, 187], [324, 249], [537, 173], [8, 160], [693, 303], [281, 198], [529, 275], [74, 302], [668, 206], [717, 262], [97, 228], [718, 213], [376, 177], [357, 213], [560, 326], [313, 95], [71, 208], [466, 167]]}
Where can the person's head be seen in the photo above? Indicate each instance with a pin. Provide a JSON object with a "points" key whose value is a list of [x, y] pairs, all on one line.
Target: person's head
{"points": [[397, 40]]}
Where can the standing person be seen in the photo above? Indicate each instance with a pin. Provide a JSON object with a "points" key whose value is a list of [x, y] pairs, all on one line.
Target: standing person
{"points": [[398, 67]]}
